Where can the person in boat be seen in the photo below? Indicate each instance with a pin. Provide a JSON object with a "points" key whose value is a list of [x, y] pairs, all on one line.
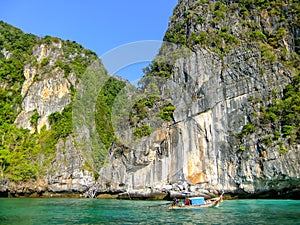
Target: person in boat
{"points": [[187, 202], [175, 201]]}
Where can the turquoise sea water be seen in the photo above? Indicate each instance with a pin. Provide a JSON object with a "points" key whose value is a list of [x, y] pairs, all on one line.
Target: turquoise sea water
{"points": [[101, 211]]}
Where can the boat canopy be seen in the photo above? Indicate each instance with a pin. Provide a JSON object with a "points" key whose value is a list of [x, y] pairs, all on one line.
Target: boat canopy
{"points": [[197, 201]]}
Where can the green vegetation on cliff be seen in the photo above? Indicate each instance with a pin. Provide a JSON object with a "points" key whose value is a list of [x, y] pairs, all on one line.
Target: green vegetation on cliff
{"points": [[223, 25], [159, 68], [166, 112], [146, 109], [17, 146], [283, 115], [15, 47], [23, 154], [278, 120], [105, 102]]}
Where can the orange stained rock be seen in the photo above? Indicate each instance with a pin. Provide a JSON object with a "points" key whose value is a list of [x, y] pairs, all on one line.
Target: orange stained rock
{"points": [[62, 90], [194, 175], [196, 178], [162, 134], [46, 93]]}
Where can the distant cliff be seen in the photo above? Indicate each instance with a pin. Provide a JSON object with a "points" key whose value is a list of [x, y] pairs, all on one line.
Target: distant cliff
{"points": [[217, 110], [39, 80]]}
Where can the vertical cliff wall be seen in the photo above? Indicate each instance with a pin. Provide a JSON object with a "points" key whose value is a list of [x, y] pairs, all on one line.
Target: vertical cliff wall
{"points": [[240, 58]]}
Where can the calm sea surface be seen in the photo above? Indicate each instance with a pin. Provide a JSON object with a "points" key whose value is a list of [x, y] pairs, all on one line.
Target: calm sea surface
{"points": [[99, 211]]}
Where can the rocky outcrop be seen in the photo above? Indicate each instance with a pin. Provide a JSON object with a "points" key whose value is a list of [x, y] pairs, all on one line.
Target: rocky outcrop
{"points": [[199, 148], [215, 98], [46, 90], [45, 97], [66, 173]]}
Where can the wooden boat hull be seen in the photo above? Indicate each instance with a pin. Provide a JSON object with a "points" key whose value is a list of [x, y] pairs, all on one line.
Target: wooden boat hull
{"points": [[207, 205], [192, 206]]}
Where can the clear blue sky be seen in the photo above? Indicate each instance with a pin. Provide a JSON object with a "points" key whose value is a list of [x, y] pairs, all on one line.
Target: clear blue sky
{"points": [[98, 25]]}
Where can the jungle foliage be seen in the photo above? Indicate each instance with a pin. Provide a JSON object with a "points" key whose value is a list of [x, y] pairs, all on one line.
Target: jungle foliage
{"points": [[105, 102], [23, 154], [284, 114]]}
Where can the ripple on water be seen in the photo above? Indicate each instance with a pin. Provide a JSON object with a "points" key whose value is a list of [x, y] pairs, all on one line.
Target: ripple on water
{"points": [[111, 211]]}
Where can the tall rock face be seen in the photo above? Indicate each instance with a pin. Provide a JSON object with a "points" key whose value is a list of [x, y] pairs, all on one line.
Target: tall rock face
{"points": [[39, 149], [239, 58]]}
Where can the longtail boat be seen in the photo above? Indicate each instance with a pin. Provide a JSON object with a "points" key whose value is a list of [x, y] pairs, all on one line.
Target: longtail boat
{"points": [[196, 202]]}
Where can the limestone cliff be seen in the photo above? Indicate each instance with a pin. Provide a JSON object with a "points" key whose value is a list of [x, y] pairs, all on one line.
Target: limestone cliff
{"points": [[240, 58], [39, 152]]}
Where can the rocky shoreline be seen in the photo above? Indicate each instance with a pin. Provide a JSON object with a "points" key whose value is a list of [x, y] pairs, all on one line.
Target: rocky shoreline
{"points": [[145, 195], [32, 190]]}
